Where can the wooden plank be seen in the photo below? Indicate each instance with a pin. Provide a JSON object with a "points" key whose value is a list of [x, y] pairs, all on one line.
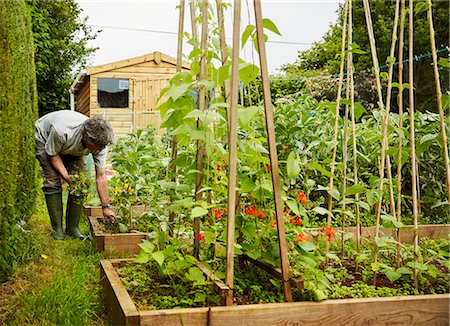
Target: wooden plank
{"points": [[411, 310], [432, 231], [219, 287], [118, 302], [175, 317], [276, 272]]}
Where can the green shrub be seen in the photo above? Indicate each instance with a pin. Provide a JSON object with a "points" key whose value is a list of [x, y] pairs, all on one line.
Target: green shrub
{"points": [[18, 111]]}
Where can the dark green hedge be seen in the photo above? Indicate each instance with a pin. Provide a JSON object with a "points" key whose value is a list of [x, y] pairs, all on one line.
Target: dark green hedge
{"points": [[18, 112]]}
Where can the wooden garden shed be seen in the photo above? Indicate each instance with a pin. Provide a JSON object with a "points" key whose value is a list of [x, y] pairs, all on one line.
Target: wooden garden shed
{"points": [[126, 91]]}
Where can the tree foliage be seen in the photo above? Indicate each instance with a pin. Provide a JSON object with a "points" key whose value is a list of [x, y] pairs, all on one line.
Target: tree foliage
{"points": [[18, 112], [61, 48], [325, 55]]}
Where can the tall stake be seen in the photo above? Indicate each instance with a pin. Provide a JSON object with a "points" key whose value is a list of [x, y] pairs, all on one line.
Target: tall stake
{"points": [[174, 138], [232, 143], [201, 106], [439, 96], [273, 152], [388, 102], [412, 140], [336, 122], [223, 49], [352, 114], [400, 126]]}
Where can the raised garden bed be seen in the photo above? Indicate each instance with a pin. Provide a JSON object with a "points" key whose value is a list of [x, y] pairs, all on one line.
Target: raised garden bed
{"points": [[407, 310], [120, 244]]}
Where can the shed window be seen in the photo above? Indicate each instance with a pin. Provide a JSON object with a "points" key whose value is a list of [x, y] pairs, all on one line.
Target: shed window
{"points": [[112, 93]]}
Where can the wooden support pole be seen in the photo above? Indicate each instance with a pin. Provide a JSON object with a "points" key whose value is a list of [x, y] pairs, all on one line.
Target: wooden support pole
{"points": [[353, 122], [223, 49], [232, 143], [273, 152], [400, 125], [174, 155], [201, 106], [439, 96], [412, 138], [336, 123]]}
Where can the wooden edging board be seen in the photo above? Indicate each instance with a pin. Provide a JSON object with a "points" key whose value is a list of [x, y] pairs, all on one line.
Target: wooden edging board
{"points": [[97, 210], [432, 231], [120, 244], [409, 310]]}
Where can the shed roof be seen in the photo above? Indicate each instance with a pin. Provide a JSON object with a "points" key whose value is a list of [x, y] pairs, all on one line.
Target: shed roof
{"points": [[154, 56]]}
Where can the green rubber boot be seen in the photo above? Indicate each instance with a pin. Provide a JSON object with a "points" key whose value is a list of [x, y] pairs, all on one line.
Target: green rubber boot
{"points": [[55, 211], [73, 214]]}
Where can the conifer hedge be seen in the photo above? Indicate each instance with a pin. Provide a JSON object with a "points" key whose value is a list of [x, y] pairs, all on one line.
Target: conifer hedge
{"points": [[18, 112]]}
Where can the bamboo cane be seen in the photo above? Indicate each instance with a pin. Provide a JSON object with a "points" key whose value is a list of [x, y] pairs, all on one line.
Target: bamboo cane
{"points": [[388, 102], [174, 138], [412, 140], [344, 148], [223, 49], [400, 126], [273, 152], [201, 106], [232, 143], [336, 123], [384, 122], [193, 21], [352, 114], [439, 96]]}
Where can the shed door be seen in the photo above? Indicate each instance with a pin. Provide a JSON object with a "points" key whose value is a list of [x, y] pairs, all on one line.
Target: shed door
{"points": [[145, 100]]}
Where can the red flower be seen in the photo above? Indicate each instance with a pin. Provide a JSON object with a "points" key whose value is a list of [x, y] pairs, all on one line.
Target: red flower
{"points": [[218, 213], [302, 197], [301, 238], [274, 225], [261, 215], [201, 237], [251, 210], [285, 147], [329, 232], [286, 212], [295, 221], [267, 168], [218, 166]]}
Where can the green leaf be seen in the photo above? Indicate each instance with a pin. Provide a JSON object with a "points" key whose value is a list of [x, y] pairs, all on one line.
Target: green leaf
{"points": [[195, 275], [247, 114], [307, 246], [198, 211], [255, 253], [142, 258], [292, 165], [158, 256], [444, 62], [248, 73], [445, 101], [147, 247], [318, 167], [321, 210], [319, 295], [404, 270], [392, 275], [178, 91], [420, 7], [355, 189], [249, 231], [359, 110], [293, 207], [417, 265], [268, 24], [246, 34]]}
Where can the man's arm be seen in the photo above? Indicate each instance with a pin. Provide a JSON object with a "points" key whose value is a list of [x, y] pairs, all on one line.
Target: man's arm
{"points": [[102, 188], [58, 164]]}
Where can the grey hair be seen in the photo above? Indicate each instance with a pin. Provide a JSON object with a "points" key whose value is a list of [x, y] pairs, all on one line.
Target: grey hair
{"points": [[99, 131]]}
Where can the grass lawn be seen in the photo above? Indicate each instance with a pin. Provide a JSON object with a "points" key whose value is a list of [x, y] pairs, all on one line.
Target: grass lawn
{"points": [[60, 283]]}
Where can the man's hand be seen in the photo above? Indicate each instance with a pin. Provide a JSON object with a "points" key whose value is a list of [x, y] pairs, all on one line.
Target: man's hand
{"points": [[108, 215]]}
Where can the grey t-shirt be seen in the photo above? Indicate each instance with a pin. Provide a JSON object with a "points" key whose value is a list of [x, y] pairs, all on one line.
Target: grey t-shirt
{"points": [[60, 131]]}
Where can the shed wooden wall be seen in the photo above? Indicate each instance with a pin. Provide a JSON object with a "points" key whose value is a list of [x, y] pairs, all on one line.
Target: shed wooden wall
{"points": [[146, 80], [83, 97]]}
